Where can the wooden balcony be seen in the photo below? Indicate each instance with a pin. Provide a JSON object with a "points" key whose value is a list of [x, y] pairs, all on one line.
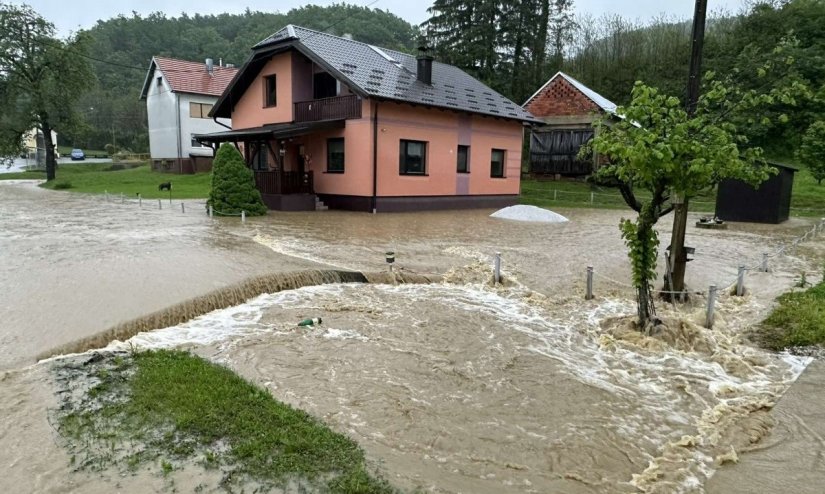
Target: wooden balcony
{"points": [[337, 108], [284, 182]]}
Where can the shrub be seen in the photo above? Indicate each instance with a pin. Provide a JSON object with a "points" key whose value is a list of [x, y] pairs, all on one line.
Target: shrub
{"points": [[812, 151], [233, 185]]}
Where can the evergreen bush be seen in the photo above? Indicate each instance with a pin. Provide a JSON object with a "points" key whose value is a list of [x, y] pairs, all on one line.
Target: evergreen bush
{"points": [[233, 185]]}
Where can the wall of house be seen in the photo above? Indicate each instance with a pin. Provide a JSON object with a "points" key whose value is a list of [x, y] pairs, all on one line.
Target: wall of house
{"points": [[561, 99], [443, 131], [190, 126], [250, 111], [161, 104]]}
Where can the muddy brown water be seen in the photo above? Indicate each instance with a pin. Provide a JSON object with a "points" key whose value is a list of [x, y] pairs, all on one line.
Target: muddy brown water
{"points": [[453, 387]]}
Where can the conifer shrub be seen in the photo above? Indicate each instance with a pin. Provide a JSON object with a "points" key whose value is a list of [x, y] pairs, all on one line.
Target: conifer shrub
{"points": [[233, 185]]}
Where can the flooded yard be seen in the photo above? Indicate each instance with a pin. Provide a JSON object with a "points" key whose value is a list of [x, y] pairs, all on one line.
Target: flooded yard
{"points": [[449, 387]]}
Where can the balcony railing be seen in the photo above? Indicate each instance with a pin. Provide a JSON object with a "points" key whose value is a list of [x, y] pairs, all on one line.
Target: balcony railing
{"points": [[284, 182], [337, 108]]}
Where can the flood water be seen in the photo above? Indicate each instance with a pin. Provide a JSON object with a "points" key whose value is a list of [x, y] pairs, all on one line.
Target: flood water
{"points": [[451, 387]]}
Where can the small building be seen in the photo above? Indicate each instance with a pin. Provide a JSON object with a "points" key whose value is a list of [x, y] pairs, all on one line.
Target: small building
{"points": [[769, 203], [568, 110], [34, 146], [179, 96], [369, 129]]}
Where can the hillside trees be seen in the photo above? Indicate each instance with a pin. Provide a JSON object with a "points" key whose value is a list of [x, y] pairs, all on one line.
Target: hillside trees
{"points": [[41, 79]]}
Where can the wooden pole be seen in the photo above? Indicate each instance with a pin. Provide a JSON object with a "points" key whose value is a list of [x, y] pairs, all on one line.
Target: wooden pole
{"points": [[589, 294], [677, 242], [711, 306]]}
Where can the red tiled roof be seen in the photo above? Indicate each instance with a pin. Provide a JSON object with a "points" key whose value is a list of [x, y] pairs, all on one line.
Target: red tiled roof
{"points": [[191, 77]]}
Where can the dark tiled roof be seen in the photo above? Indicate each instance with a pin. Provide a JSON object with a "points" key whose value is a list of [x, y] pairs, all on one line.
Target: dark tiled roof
{"points": [[191, 77], [388, 74]]}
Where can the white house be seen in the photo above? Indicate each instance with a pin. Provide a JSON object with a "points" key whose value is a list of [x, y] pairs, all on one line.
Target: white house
{"points": [[34, 147], [179, 96]]}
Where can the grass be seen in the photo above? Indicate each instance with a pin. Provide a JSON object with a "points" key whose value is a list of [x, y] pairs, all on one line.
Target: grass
{"points": [[798, 321], [170, 407], [808, 198], [97, 178]]}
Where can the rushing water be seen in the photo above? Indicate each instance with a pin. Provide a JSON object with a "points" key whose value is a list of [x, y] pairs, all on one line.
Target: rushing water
{"points": [[451, 387]]}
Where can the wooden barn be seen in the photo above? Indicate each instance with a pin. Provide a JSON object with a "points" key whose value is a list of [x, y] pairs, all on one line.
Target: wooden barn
{"points": [[568, 109]]}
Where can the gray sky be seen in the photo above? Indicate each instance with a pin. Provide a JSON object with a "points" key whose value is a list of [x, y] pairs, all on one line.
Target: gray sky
{"points": [[69, 15]]}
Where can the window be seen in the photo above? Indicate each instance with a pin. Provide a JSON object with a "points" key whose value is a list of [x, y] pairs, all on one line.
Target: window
{"points": [[199, 110], [497, 163], [270, 90], [335, 155], [160, 81], [324, 86], [463, 159], [413, 160]]}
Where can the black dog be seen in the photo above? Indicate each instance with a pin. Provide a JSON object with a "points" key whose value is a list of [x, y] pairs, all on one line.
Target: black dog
{"points": [[165, 186]]}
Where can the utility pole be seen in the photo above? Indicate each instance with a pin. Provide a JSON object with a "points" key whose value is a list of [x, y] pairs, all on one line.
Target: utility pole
{"points": [[678, 256]]}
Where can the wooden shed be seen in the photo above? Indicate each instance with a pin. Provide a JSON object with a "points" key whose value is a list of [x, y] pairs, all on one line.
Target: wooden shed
{"points": [[568, 110], [769, 203]]}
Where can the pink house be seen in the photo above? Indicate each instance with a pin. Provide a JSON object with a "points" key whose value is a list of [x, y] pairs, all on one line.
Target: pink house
{"points": [[365, 128]]}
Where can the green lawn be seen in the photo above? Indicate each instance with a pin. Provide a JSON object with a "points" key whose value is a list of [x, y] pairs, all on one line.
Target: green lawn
{"points": [[808, 197], [96, 178], [168, 408], [798, 321]]}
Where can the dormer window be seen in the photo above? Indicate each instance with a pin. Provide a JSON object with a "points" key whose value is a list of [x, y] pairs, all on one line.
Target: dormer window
{"points": [[270, 91]]}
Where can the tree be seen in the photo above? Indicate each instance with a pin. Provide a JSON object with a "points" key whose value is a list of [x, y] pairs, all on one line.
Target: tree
{"points": [[812, 151], [233, 185], [42, 76]]}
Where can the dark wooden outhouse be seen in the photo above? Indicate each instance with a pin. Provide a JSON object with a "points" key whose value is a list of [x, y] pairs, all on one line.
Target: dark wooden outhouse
{"points": [[769, 203]]}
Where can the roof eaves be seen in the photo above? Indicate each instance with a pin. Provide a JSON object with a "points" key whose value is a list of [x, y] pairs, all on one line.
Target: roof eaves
{"points": [[149, 74]]}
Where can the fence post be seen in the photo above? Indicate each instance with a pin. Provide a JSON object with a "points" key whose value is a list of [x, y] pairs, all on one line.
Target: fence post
{"points": [[211, 211], [140, 200], [591, 198], [106, 195], [122, 198], [243, 216], [497, 269], [555, 194], [764, 267], [740, 282], [160, 205], [711, 305], [182, 208], [589, 294]]}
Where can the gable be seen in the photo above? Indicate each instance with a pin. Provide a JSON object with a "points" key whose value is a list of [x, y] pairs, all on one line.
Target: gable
{"points": [[561, 98]]}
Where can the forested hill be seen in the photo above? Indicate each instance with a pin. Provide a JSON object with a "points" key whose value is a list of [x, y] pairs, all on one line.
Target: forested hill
{"points": [[123, 46]]}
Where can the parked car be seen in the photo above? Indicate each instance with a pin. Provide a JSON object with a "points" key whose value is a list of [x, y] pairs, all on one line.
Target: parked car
{"points": [[78, 154]]}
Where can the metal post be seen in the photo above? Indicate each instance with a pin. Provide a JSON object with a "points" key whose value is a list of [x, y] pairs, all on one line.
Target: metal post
{"points": [[591, 198], [106, 195], [140, 200], [243, 216], [211, 211], [764, 268], [122, 198], [160, 206], [555, 194], [182, 208], [497, 269], [589, 294], [711, 305], [740, 282]]}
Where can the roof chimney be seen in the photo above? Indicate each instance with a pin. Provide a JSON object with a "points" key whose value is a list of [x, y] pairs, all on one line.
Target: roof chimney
{"points": [[425, 66], [210, 65]]}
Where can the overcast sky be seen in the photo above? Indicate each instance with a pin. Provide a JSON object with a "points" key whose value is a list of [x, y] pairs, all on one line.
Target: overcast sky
{"points": [[70, 15]]}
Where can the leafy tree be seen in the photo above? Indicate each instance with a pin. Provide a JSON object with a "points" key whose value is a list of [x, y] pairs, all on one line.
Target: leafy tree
{"points": [[812, 151], [233, 185], [656, 147], [42, 77]]}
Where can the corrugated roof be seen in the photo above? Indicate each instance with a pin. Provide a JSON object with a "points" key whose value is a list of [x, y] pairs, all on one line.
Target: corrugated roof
{"points": [[191, 77], [602, 102], [389, 74]]}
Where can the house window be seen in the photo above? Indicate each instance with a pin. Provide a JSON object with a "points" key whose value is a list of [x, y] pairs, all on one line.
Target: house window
{"points": [[199, 110], [160, 81], [463, 159], [335, 155], [270, 91], [497, 163], [413, 159], [324, 86]]}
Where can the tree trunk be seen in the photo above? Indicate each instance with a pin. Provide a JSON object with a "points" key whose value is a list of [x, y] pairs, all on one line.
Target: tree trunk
{"points": [[51, 162], [645, 231], [678, 254]]}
